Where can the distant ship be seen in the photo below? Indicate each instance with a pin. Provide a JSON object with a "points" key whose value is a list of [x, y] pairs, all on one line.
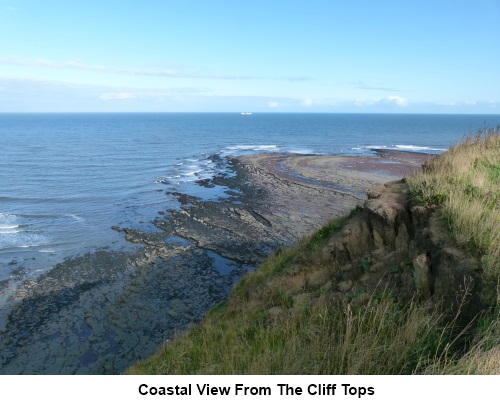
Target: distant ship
{"points": [[246, 113]]}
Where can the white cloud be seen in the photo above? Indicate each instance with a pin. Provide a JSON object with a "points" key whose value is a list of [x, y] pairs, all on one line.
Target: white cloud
{"points": [[389, 100], [307, 102], [74, 65], [173, 73], [400, 101], [29, 95], [458, 103], [117, 96], [21, 94]]}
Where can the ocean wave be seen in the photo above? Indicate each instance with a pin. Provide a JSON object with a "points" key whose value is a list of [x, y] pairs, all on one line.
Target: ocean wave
{"points": [[191, 170], [240, 150], [401, 147], [11, 219], [302, 151], [41, 245], [6, 216], [9, 222], [5, 231], [209, 165], [75, 217], [15, 233], [43, 200], [252, 147], [419, 148]]}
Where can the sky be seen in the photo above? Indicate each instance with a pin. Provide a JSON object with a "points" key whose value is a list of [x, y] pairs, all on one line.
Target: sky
{"points": [[422, 56]]}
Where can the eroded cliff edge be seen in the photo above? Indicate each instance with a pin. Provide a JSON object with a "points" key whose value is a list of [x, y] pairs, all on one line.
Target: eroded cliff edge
{"points": [[406, 249]]}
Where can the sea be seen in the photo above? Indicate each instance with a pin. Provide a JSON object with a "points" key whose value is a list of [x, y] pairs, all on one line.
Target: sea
{"points": [[66, 179]]}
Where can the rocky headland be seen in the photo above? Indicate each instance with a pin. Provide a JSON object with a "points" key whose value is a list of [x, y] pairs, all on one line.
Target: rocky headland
{"points": [[405, 283], [101, 312]]}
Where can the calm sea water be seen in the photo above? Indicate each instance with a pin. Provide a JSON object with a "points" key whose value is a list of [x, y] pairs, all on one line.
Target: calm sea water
{"points": [[65, 179]]}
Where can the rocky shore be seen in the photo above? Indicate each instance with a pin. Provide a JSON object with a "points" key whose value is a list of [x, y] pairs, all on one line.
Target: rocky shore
{"points": [[278, 199], [101, 312]]}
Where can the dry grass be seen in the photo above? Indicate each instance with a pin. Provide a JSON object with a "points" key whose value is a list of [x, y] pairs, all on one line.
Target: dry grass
{"points": [[311, 337], [465, 183]]}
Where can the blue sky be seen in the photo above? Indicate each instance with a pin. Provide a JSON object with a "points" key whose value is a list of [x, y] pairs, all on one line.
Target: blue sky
{"points": [[270, 56]]}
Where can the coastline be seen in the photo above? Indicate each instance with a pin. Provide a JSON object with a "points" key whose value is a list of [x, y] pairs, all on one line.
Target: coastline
{"points": [[391, 277], [277, 199], [305, 191], [105, 311]]}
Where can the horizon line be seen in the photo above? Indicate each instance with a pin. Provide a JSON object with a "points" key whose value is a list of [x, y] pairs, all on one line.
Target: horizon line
{"points": [[239, 112]]}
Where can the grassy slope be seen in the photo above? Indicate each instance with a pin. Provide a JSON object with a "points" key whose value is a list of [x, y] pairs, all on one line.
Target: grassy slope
{"points": [[278, 320], [465, 182]]}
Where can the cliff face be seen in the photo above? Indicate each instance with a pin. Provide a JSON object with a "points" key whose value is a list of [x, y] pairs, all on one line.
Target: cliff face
{"points": [[406, 250]]}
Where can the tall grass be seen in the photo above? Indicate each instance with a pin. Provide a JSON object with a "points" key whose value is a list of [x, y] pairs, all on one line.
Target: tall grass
{"points": [[481, 357], [312, 337], [465, 183]]}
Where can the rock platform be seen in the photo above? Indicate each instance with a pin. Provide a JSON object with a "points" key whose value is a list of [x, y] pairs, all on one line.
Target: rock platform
{"points": [[101, 312]]}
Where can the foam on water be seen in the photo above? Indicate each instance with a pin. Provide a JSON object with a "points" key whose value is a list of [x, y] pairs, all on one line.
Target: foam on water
{"points": [[256, 148], [419, 148], [4, 231], [75, 217], [405, 148], [203, 167], [300, 151], [16, 233]]}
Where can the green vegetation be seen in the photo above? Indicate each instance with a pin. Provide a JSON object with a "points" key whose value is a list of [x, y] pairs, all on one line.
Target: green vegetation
{"points": [[464, 183], [312, 337], [285, 319], [319, 238]]}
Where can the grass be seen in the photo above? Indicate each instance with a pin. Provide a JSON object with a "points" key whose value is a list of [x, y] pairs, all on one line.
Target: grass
{"points": [[464, 182], [481, 357], [277, 321], [311, 337]]}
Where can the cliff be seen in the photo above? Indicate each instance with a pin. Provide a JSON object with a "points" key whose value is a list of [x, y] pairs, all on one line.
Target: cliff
{"points": [[407, 249], [398, 286]]}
